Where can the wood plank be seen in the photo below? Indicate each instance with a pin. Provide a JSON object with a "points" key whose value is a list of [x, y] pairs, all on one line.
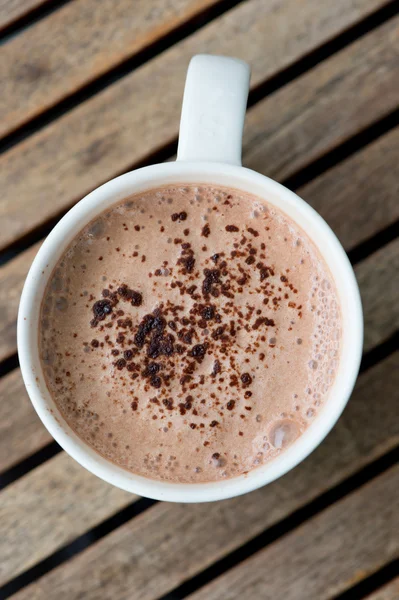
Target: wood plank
{"points": [[40, 70], [326, 556], [329, 104], [21, 431], [12, 277], [13, 10], [381, 315], [378, 280], [357, 198], [124, 124], [153, 553], [390, 591], [50, 507]]}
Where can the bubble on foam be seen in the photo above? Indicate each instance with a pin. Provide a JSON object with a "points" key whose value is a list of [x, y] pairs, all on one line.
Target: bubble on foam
{"points": [[299, 341], [258, 459], [310, 413], [283, 433], [61, 304], [326, 285], [57, 283], [47, 357], [218, 461], [258, 418], [97, 229], [47, 305]]}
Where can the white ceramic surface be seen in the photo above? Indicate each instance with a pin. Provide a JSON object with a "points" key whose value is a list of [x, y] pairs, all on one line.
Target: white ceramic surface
{"points": [[209, 152]]}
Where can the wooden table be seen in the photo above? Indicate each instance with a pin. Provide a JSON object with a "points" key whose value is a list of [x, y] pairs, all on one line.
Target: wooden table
{"points": [[92, 89]]}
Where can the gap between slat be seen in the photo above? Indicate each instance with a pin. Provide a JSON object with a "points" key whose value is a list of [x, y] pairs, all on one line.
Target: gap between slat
{"points": [[143, 55], [28, 16], [314, 169], [372, 583], [270, 85]]}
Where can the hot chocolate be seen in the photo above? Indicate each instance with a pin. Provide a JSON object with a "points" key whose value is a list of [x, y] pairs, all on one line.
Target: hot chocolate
{"points": [[190, 333]]}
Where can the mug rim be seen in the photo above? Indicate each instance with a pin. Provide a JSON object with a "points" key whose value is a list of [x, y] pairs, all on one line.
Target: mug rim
{"points": [[151, 177]]}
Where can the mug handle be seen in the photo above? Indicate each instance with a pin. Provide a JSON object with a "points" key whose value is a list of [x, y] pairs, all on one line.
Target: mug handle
{"points": [[213, 111]]}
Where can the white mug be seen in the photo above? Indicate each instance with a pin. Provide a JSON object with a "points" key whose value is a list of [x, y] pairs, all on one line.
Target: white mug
{"points": [[209, 152]]}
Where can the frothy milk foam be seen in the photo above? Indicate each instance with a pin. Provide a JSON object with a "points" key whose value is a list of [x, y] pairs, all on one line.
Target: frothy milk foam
{"points": [[191, 333]]}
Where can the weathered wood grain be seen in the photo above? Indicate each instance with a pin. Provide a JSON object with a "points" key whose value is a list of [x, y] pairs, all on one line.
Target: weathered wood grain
{"points": [[330, 103], [124, 124], [357, 198], [379, 283], [21, 431], [50, 507], [324, 557], [381, 314], [12, 277], [390, 591], [13, 10], [39, 69], [169, 543]]}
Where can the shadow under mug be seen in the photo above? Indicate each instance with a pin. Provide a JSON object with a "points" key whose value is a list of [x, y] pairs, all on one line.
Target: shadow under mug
{"points": [[209, 152]]}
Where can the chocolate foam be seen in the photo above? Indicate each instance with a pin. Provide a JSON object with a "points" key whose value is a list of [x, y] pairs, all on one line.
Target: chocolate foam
{"points": [[190, 333]]}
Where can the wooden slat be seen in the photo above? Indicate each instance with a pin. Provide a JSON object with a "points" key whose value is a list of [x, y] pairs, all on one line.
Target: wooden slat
{"points": [[324, 557], [378, 281], [357, 198], [12, 277], [85, 42], [320, 110], [170, 542], [49, 509], [13, 10], [21, 431], [124, 123], [390, 591]]}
